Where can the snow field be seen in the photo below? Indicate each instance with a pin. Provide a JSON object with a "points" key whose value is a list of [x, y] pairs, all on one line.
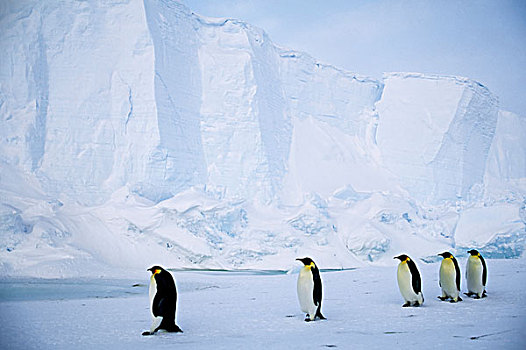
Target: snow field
{"points": [[223, 310]]}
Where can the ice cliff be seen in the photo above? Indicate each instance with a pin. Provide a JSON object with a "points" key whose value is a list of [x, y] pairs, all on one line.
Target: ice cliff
{"points": [[139, 132]]}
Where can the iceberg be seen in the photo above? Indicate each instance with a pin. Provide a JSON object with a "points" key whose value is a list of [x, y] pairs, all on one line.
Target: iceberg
{"points": [[134, 133]]}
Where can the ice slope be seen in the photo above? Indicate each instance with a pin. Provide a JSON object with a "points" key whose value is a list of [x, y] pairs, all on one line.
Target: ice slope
{"points": [[244, 123], [435, 132], [138, 132], [506, 167]]}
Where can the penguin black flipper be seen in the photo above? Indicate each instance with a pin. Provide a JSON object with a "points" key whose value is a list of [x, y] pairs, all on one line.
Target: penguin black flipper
{"points": [[317, 292], [416, 282], [457, 270], [484, 271]]}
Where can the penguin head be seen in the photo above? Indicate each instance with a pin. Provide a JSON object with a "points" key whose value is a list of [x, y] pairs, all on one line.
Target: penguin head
{"points": [[155, 269], [402, 257], [474, 252], [446, 255], [307, 262]]}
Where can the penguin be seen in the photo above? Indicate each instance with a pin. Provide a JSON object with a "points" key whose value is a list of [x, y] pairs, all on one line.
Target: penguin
{"points": [[409, 281], [449, 278], [476, 275], [310, 290], [163, 301]]}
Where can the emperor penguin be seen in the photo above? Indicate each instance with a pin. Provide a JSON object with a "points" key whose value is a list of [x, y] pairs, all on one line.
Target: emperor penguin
{"points": [[476, 275], [163, 301], [449, 278], [310, 290], [409, 281]]}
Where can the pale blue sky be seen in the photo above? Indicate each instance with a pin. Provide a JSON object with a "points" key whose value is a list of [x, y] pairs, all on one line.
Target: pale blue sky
{"points": [[483, 40]]}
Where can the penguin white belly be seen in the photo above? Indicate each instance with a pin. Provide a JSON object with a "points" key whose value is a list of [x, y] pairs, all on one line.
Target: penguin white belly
{"points": [[405, 283], [448, 276], [306, 292], [156, 321], [151, 293], [474, 276]]}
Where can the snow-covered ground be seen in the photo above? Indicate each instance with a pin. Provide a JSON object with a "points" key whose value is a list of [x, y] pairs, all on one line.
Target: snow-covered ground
{"points": [[224, 310]]}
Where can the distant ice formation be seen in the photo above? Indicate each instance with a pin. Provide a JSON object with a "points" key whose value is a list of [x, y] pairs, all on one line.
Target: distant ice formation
{"points": [[134, 133]]}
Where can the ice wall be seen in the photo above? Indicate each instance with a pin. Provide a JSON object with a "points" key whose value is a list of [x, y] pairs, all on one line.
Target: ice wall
{"points": [[245, 127], [507, 155], [171, 100], [334, 122], [178, 161], [76, 111], [134, 133], [435, 132]]}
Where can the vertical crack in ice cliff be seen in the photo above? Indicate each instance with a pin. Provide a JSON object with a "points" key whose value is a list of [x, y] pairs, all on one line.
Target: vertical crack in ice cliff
{"points": [[36, 136], [274, 123], [465, 145], [130, 111], [178, 100]]}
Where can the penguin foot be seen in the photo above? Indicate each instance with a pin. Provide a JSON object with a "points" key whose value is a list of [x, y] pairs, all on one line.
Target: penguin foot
{"points": [[148, 333], [318, 314], [469, 294], [406, 304], [307, 319], [442, 298]]}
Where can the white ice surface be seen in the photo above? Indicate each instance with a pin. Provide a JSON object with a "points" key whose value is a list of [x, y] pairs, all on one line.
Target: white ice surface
{"points": [[137, 132], [226, 310]]}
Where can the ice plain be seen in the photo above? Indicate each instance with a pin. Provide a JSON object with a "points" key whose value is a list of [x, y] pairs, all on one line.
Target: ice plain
{"points": [[259, 309]]}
